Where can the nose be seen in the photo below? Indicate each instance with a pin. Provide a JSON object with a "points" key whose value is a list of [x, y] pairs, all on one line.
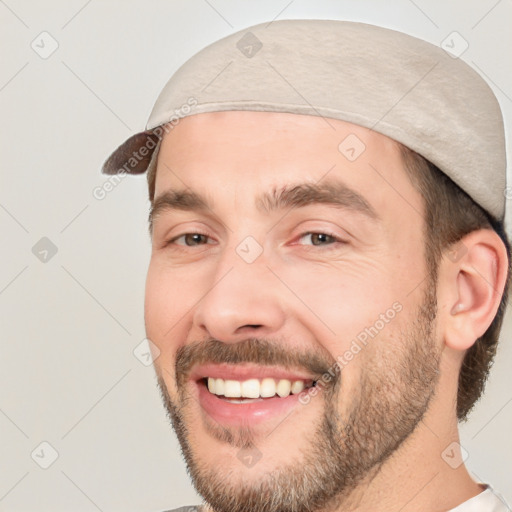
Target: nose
{"points": [[242, 301]]}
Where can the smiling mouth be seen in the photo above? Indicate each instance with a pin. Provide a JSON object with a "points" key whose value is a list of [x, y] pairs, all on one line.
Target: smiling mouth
{"points": [[250, 390]]}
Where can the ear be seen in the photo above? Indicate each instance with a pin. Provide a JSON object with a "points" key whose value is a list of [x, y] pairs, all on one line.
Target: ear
{"points": [[472, 277]]}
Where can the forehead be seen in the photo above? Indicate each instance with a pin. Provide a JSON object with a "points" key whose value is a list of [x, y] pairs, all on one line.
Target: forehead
{"points": [[223, 154]]}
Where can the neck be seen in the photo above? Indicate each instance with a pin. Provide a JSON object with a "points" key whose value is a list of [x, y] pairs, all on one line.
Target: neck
{"points": [[424, 475]]}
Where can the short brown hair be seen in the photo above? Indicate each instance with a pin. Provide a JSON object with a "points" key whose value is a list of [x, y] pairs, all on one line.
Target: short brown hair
{"points": [[450, 214]]}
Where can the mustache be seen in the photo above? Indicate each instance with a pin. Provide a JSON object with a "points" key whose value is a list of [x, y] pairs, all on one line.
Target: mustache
{"points": [[265, 352]]}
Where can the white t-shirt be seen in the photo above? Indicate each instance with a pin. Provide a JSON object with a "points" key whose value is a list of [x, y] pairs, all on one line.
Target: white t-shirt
{"points": [[487, 501]]}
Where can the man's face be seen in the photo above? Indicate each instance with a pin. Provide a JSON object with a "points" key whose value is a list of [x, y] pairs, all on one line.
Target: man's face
{"points": [[288, 258]]}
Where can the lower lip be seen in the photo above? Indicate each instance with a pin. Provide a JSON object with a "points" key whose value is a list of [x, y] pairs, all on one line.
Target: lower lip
{"points": [[236, 414]]}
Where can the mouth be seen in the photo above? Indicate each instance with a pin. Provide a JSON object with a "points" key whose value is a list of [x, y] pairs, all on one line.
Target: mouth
{"points": [[245, 395]]}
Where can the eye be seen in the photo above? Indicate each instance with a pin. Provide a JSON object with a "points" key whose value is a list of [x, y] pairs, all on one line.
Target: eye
{"points": [[190, 239], [318, 239]]}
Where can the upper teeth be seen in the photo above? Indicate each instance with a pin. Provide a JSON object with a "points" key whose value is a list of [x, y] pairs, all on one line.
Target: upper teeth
{"points": [[254, 388]]}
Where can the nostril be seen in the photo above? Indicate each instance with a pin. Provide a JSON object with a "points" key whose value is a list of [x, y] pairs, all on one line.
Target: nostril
{"points": [[249, 327]]}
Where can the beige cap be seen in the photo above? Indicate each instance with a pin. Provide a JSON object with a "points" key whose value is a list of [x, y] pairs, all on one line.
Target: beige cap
{"points": [[410, 90]]}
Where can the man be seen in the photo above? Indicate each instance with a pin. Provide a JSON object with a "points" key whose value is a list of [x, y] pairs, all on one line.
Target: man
{"points": [[329, 266]]}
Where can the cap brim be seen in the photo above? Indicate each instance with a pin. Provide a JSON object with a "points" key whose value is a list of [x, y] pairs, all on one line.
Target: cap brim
{"points": [[133, 156]]}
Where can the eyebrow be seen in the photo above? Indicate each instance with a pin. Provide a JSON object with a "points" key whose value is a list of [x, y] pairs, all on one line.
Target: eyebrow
{"points": [[177, 200], [331, 193], [305, 194]]}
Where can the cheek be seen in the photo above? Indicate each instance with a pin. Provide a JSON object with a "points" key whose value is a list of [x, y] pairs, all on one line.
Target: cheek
{"points": [[350, 312], [167, 301], [342, 302]]}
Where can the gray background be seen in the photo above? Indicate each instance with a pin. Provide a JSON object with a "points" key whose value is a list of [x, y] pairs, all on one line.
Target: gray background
{"points": [[70, 323]]}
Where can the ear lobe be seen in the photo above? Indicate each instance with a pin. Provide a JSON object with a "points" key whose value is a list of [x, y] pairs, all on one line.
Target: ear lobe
{"points": [[474, 285]]}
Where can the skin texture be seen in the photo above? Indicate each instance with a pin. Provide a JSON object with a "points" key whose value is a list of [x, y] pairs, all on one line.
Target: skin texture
{"points": [[389, 414]]}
